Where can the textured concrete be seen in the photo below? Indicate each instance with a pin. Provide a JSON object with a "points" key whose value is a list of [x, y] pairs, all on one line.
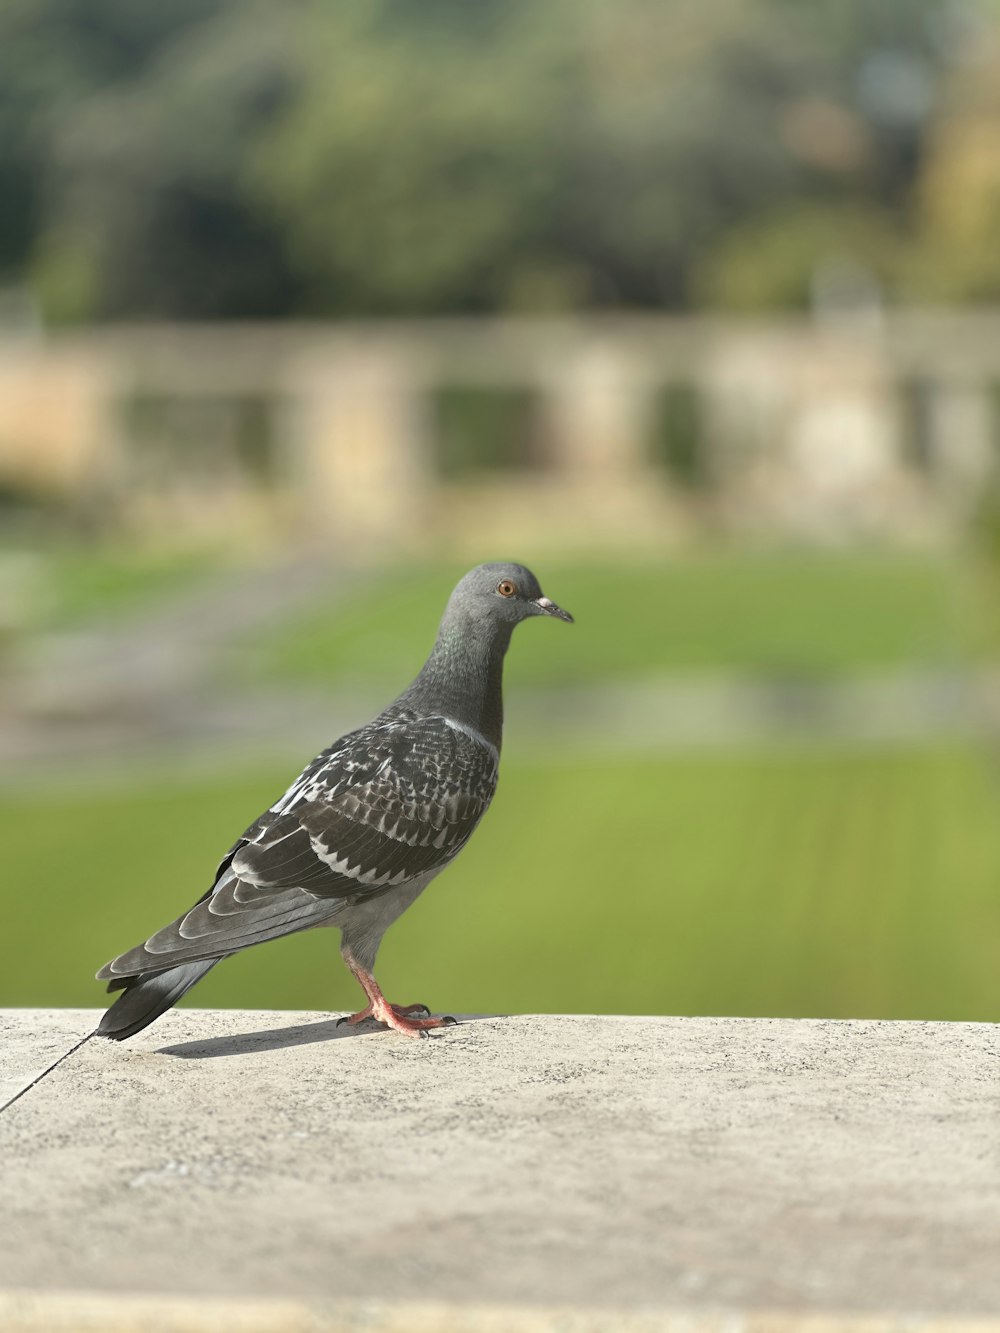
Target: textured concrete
{"points": [[29, 1042], [84, 1313], [662, 1169]]}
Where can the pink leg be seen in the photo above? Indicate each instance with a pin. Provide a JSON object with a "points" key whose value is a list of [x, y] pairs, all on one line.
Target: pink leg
{"points": [[395, 1016]]}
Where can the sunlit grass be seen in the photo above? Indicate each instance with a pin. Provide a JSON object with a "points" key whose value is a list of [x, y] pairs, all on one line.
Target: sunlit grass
{"points": [[71, 584], [837, 884], [785, 613]]}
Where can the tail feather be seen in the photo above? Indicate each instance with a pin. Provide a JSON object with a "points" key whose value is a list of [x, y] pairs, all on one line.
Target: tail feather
{"points": [[147, 996]]}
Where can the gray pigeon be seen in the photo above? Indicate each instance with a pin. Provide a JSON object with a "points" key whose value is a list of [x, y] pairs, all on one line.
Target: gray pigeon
{"points": [[365, 828]]}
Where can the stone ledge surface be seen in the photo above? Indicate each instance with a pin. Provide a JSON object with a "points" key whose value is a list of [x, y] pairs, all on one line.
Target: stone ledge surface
{"points": [[82, 1312], [653, 1169]]}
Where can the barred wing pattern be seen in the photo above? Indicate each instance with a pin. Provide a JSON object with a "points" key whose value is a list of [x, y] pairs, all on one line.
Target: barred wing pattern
{"points": [[390, 803]]}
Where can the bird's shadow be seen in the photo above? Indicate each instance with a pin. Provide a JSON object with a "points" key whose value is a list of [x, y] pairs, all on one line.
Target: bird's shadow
{"points": [[276, 1039]]}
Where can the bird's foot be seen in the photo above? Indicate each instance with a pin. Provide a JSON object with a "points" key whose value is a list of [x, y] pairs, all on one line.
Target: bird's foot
{"points": [[398, 1017]]}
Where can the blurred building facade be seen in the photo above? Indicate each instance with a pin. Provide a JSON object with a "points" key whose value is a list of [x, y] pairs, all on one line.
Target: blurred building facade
{"points": [[615, 432]]}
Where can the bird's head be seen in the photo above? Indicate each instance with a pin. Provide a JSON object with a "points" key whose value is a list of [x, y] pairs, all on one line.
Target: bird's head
{"points": [[504, 594]]}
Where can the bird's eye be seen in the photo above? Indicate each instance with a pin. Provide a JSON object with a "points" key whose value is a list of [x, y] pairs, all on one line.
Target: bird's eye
{"points": [[506, 589]]}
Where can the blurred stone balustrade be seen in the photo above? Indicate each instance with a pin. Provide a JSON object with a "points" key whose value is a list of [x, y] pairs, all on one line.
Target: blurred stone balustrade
{"points": [[637, 431]]}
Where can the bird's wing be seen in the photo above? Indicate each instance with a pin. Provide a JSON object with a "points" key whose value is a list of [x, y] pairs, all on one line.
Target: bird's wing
{"points": [[385, 805]]}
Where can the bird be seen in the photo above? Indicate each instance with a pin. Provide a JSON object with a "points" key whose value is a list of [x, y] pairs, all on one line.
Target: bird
{"points": [[366, 826]]}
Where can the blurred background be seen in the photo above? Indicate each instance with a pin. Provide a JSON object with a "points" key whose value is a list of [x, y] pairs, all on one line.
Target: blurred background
{"points": [[694, 307]]}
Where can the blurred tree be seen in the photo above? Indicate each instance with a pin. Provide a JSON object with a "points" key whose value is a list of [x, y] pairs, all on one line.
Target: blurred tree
{"points": [[54, 54], [780, 261], [956, 256], [150, 192], [454, 161], [233, 159], [406, 172]]}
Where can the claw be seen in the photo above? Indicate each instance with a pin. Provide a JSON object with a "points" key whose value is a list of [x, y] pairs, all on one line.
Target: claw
{"points": [[352, 1020]]}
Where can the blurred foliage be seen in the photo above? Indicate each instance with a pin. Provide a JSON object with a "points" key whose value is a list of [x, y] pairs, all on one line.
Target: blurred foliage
{"points": [[479, 431], [958, 255], [231, 158], [677, 438], [814, 254], [981, 587]]}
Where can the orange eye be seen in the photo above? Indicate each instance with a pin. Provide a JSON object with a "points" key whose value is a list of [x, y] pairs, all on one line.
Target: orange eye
{"points": [[506, 589]]}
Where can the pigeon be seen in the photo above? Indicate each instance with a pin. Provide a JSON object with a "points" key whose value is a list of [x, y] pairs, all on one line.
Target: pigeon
{"points": [[364, 829]]}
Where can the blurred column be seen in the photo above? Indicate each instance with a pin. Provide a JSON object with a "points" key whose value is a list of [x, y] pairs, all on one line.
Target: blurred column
{"points": [[55, 417], [830, 465], [597, 406], [360, 446], [744, 390], [961, 428]]}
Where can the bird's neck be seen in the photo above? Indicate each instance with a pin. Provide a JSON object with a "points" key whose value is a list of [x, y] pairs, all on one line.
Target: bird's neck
{"points": [[463, 677]]}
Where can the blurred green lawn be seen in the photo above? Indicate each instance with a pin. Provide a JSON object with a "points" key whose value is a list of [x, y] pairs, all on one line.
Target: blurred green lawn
{"points": [[766, 882], [808, 883], [75, 582], [791, 613]]}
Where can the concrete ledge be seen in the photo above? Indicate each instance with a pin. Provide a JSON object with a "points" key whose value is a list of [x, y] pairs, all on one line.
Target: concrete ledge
{"points": [[84, 1313], [265, 1170]]}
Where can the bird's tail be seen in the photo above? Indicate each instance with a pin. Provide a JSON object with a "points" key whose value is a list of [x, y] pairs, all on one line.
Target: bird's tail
{"points": [[147, 996]]}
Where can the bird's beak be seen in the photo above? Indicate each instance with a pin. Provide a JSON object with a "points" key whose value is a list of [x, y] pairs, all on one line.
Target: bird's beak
{"points": [[549, 608]]}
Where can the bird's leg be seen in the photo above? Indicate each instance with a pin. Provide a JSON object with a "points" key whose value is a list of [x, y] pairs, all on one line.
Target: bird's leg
{"points": [[395, 1016]]}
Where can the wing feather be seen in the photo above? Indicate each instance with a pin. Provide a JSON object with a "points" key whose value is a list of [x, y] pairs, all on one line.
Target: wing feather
{"points": [[385, 805]]}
